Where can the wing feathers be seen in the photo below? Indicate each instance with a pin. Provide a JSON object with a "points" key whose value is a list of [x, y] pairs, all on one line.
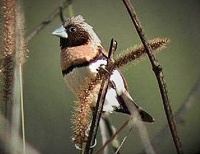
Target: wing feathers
{"points": [[132, 107]]}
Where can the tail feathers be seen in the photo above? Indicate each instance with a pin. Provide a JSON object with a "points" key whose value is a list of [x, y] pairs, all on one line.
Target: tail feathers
{"points": [[131, 106], [146, 117]]}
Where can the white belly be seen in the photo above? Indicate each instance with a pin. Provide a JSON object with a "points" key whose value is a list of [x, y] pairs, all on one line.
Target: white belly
{"points": [[76, 78]]}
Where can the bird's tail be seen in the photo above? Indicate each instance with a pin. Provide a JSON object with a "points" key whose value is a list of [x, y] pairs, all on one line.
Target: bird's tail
{"points": [[132, 107]]}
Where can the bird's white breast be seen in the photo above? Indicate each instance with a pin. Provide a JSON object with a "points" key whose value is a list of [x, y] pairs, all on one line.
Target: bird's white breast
{"points": [[78, 75], [76, 78]]}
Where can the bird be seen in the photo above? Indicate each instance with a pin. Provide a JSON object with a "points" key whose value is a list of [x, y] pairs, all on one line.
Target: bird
{"points": [[81, 56]]}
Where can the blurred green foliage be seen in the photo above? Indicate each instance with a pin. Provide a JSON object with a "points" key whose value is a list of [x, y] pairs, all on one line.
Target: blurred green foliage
{"points": [[49, 103]]}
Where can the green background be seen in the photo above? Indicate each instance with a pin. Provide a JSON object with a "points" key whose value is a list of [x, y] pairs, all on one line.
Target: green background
{"points": [[49, 103]]}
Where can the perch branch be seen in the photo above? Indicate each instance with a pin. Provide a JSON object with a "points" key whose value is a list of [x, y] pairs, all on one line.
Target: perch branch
{"points": [[99, 104], [159, 75], [81, 117]]}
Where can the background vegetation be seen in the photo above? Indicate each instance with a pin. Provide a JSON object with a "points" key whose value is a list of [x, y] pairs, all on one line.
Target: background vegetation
{"points": [[49, 104]]}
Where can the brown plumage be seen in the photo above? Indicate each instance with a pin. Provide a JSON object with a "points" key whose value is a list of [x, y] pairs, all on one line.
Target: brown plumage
{"points": [[81, 56]]}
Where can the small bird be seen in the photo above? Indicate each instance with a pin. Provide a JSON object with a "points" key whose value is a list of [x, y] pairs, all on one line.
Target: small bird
{"points": [[81, 56]]}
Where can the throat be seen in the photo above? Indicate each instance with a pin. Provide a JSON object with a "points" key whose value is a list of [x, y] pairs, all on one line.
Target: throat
{"points": [[65, 43], [79, 63]]}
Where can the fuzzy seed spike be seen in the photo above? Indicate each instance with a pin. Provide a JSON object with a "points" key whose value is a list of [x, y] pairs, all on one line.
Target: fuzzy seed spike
{"points": [[9, 23], [83, 112], [136, 52]]}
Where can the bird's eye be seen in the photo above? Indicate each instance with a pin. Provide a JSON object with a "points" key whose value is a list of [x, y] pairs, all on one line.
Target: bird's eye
{"points": [[72, 29]]}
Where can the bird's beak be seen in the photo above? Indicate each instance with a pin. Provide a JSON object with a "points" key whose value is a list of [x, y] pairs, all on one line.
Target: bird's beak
{"points": [[60, 32]]}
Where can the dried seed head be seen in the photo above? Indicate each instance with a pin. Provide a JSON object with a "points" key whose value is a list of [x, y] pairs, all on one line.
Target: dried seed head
{"points": [[136, 52], [82, 115], [9, 23]]}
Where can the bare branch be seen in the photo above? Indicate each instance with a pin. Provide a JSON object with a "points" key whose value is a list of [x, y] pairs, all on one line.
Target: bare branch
{"points": [[111, 131], [136, 120], [159, 75], [114, 135], [62, 18], [48, 20], [83, 113], [124, 139], [104, 134]]}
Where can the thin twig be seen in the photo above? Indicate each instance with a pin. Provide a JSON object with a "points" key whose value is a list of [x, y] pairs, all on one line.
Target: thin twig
{"points": [[83, 112], [136, 120], [99, 104], [114, 135], [62, 18], [48, 20], [104, 134], [159, 75], [111, 131], [124, 139]]}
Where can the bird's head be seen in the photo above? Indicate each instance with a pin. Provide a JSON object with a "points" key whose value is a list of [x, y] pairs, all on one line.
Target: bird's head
{"points": [[75, 32]]}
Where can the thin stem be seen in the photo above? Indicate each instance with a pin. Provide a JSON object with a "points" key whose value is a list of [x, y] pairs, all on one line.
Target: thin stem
{"points": [[47, 21], [104, 134], [159, 75], [111, 131], [17, 120], [22, 113], [99, 104], [124, 139], [114, 135], [62, 18]]}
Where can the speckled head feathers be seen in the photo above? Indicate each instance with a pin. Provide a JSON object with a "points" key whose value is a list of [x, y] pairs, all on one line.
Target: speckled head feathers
{"points": [[76, 20], [80, 21]]}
